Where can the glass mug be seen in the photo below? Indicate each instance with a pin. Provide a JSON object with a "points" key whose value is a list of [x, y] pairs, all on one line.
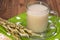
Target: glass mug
{"points": [[37, 16]]}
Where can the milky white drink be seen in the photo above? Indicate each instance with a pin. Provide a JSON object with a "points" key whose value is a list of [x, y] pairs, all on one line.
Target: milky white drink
{"points": [[37, 18]]}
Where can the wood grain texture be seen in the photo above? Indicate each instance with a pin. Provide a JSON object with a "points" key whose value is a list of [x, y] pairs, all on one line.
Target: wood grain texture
{"points": [[58, 6], [55, 5], [10, 8]]}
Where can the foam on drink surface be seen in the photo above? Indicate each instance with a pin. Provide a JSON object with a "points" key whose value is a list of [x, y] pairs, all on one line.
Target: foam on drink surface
{"points": [[37, 18]]}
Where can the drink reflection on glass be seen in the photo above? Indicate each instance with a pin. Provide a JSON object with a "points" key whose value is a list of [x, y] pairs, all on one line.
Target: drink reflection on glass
{"points": [[37, 17]]}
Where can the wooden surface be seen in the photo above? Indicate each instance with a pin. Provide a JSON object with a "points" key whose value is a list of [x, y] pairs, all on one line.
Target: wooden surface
{"points": [[54, 5], [10, 8]]}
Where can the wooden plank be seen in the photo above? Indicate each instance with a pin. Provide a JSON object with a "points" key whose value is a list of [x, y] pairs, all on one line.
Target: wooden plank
{"points": [[21, 6], [10, 8], [51, 4], [58, 5], [4, 13]]}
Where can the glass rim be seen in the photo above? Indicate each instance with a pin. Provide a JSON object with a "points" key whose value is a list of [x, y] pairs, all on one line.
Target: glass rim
{"points": [[38, 2]]}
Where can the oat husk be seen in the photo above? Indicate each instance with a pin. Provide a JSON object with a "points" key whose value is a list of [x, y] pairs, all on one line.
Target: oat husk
{"points": [[16, 30]]}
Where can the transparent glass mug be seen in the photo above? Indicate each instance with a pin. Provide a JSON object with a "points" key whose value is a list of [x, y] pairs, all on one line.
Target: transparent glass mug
{"points": [[38, 14]]}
